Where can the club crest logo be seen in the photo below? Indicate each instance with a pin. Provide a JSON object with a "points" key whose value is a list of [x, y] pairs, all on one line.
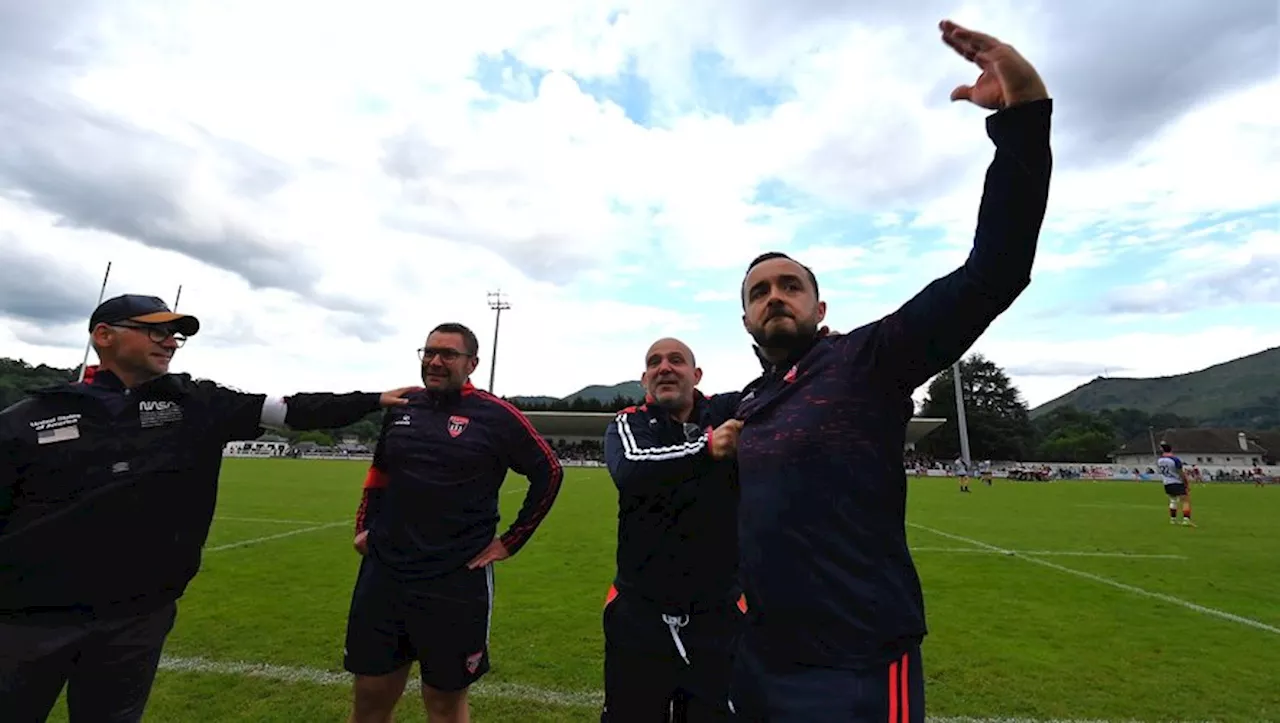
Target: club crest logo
{"points": [[473, 661], [790, 376], [457, 425]]}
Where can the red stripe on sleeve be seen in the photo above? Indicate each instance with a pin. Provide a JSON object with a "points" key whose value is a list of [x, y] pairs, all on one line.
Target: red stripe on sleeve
{"points": [[375, 478], [519, 533]]}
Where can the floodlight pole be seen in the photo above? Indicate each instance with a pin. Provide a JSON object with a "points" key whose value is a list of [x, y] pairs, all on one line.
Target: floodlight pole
{"points": [[960, 421], [177, 298], [84, 364], [498, 305]]}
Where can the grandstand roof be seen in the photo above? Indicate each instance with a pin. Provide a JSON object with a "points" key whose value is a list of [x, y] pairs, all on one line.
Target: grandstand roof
{"points": [[592, 424]]}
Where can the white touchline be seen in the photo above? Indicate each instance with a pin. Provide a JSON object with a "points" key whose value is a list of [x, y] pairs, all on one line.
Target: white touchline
{"points": [[270, 520], [1050, 553], [485, 689], [1119, 506], [316, 676], [290, 533], [1108, 581]]}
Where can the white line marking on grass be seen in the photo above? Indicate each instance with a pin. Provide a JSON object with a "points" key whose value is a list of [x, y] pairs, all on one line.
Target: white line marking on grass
{"points": [[268, 538], [316, 676], [483, 688], [1108, 581], [271, 520], [1124, 506], [1051, 553]]}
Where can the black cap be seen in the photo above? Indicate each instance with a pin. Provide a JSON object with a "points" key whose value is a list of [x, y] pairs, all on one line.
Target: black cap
{"points": [[143, 310]]}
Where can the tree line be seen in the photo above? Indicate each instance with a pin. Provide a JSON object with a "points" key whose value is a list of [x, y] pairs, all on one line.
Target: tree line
{"points": [[999, 422], [1000, 425]]}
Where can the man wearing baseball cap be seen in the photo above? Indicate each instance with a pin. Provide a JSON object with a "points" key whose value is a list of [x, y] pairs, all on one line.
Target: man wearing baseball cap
{"points": [[107, 491]]}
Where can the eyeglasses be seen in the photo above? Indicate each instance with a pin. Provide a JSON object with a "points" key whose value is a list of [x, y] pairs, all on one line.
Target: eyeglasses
{"points": [[448, 356], [155, 333]]}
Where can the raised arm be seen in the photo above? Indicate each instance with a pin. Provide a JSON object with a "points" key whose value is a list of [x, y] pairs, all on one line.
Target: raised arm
{"points": [[243, 416], [935, 328]]}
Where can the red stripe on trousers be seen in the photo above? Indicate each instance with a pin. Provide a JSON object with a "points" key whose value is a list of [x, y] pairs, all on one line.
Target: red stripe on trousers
{"points": [[893, 693], [906, 692]]}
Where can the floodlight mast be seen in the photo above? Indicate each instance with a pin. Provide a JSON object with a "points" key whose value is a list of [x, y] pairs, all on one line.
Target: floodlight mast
{"points": [[960, 421], [84, 363], [498, 304]]}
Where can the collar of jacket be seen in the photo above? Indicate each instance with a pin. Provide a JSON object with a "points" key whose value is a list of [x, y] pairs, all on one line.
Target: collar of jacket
{"points": [[442, 399], [96, 377], [795, 356], [699, 401]]}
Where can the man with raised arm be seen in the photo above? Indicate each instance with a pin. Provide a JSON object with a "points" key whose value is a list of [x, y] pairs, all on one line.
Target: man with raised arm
{"points": [[835, 610]]}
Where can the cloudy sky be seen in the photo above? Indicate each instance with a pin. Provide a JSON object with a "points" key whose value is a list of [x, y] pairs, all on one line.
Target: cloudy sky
{"points": [[327, 184]]}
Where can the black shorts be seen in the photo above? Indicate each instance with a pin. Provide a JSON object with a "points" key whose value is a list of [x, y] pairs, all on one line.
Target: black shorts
{"points": [[645, 674], [1177, 489], [107, 666], [787, 693], [443, 623]]}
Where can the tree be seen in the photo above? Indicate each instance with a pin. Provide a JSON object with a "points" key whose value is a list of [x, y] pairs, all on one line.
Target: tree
{"points": [[995, 414], [1069, 435], [316, 436]]}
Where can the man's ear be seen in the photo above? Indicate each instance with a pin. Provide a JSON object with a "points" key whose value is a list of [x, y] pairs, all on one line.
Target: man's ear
{"points": [[101, 337], [697, 376]]}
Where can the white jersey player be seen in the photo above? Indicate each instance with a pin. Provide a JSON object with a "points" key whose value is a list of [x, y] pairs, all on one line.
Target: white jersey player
{"points": [[1176, 486]]}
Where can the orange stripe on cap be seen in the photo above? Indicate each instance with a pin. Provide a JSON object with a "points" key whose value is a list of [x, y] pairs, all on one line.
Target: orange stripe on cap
{"points": [[375, 478]]}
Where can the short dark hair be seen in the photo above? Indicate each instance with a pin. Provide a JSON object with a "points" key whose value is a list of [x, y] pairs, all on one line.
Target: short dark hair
{"points": [[468, 337], [1166, 447], [768, 256]]}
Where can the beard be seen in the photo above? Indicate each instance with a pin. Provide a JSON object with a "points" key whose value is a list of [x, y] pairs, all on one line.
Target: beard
{"points": [[780, 339]]}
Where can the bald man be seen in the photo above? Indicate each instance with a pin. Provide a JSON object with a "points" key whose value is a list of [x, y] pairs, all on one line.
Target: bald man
{"points": [[672, 614]]}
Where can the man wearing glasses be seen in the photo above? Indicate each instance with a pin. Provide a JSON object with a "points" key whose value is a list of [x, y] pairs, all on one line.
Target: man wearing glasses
{"points": [[426, 527], [107, 491]]}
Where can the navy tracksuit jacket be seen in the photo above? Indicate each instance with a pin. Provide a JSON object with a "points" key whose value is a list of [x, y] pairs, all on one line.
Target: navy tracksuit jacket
{"points": [[677, 523], [824, 560], [430, 501]]}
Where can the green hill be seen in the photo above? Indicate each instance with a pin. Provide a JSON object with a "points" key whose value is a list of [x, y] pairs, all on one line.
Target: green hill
{"points": [[533, 401], [602, 394], [1241, 393], [17, 377]]}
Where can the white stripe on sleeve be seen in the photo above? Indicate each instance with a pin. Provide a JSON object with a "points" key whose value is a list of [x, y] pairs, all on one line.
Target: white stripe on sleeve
{"points": [[634, 452]]}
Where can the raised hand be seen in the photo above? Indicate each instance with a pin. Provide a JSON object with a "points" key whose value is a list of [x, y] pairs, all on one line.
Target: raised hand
{"points": [[1007, 78]]}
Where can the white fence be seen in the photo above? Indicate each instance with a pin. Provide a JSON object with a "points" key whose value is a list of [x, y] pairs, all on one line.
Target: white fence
{"points": [[1103, 471]]}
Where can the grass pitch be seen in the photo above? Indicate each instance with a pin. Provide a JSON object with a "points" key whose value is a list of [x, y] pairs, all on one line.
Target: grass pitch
{"points": [[1058, 601]]}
